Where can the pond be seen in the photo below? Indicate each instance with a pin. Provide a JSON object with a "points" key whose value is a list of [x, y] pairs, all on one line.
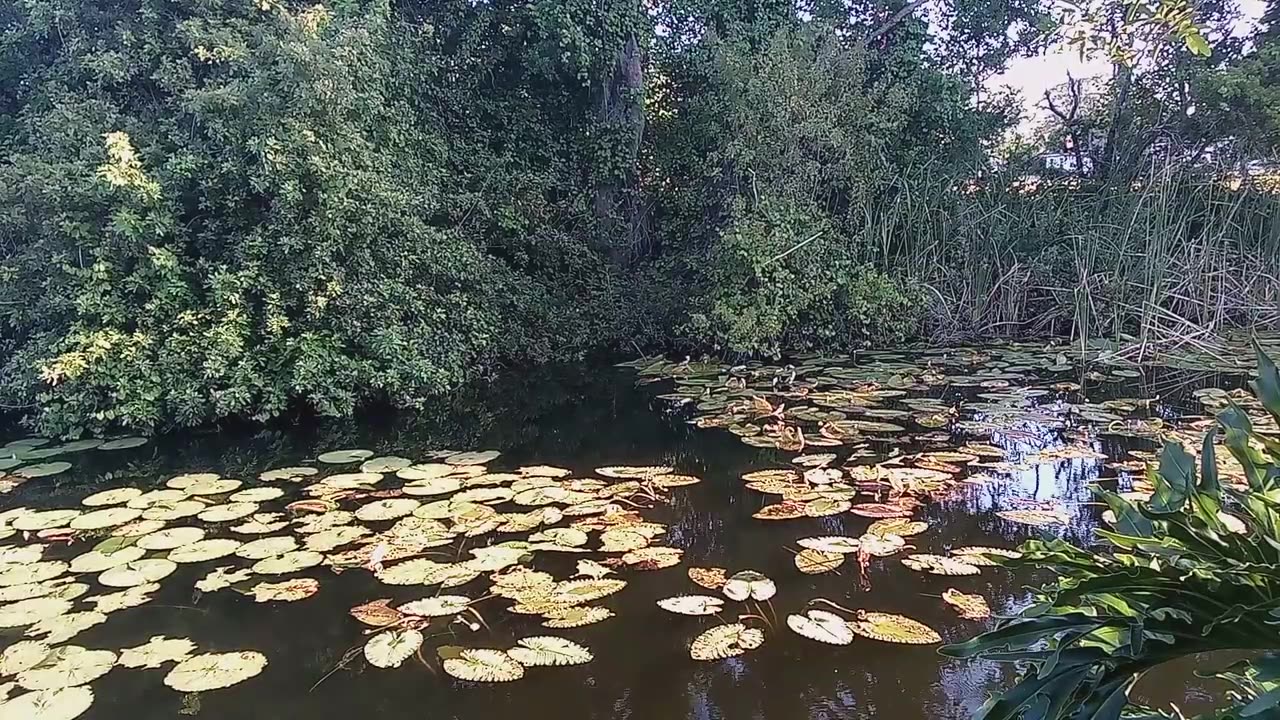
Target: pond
{"points": [[618, 481]]}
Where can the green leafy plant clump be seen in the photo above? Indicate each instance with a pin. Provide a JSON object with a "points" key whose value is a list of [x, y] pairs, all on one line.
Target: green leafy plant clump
{"points": [[1194, 570], [238, 211], [780, 277]]}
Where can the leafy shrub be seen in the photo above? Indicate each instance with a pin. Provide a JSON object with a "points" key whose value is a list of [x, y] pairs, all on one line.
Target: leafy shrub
{"points": [[1174, 579], [257, 233], [781, 277], [235, 211]]}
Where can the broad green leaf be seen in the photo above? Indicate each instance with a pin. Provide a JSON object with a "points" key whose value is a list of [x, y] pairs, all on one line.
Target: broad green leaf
{"points": [[1197, 44], [1267, 386], [1022, 633], [1209, 484], [1176, 479]]}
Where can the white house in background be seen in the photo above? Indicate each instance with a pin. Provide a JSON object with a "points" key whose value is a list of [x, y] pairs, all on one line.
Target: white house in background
{"points": [[1066, 163]]}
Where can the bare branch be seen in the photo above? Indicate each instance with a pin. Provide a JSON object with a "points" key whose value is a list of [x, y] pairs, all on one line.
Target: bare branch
{"points": [[894, 20]]}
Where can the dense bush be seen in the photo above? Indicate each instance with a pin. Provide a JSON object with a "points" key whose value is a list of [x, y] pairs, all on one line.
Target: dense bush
{"points": [[224, 210], [781, 276]]}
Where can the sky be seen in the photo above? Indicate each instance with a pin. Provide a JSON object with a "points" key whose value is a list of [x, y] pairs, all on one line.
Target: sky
{"points": [[1033, 75]]}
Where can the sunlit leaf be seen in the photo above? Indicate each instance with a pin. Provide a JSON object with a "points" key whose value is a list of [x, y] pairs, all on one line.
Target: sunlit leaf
{"points": [[391, 648], [548, 650], [823, 626], [887, 627], [212, 671], [483, 665], [725, 641], [692, 604]]}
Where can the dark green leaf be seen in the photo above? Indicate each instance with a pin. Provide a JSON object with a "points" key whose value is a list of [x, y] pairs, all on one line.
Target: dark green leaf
{"points": [[1176, 479]]}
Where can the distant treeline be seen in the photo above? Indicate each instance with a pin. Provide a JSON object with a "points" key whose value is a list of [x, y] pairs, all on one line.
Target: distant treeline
{"points": [[225, 208]]}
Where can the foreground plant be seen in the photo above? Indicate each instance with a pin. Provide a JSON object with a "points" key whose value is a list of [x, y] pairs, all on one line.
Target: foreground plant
{"points": [[1194, 569]]}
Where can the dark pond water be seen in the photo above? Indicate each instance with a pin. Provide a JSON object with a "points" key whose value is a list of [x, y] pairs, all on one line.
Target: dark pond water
{"points": [[642, 669]]}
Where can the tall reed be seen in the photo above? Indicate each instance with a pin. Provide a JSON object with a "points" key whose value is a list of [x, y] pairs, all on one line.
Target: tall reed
{"points": [[1176, 257]]}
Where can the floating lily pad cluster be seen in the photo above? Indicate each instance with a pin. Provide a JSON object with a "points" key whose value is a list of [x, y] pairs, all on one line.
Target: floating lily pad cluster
{"points": [[974, 415], [730, 639], [439, 525], [592, 520], [37, 457]]}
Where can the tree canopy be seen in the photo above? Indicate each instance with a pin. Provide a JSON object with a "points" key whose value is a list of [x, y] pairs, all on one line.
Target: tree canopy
{"points": [[225, 208]]}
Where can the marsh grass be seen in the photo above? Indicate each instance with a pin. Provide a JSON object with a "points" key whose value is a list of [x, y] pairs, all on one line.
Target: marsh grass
{"points": [[1171, 259]]}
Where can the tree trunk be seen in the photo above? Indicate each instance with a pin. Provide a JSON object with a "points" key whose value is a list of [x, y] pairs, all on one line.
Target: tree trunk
{"points": [[619, 211], [1119, 121]]}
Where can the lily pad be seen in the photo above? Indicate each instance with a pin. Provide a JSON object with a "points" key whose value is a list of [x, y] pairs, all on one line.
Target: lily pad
{"points": [[816, 562], [124, 443], [897, 526], [156, 652], [256, 495], [823, 626], [725, 641], [387, 509], [266, 547], [1035, 517], [483, 665], [291, 474], [31, 611], [44, 520], [67, 667], [30, 472], [749, 584], [342, 457], [472, 458], [287, 591], [186, 480], [711, 578], [438, 606], [60, 704], [210, 549], [939, 565], [124, 599], [212, 671], [548, 650], [578, 616], [105, 518], [634, 472], [288, 562], [222, 577], [830, 544], [138, 572], [95, 561], [170, 538], [391, 648], [57, 630], [218, 486], [692, 604], [118, 496], [23, 655], [22, 573], [887, 627], [969, 607]]}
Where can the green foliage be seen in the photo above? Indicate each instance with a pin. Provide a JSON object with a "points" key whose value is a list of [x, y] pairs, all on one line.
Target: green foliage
{"points": [[1125, 30], [782, 150], [216, 209], [1173, 580], [781, 277], [272, 219]]}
